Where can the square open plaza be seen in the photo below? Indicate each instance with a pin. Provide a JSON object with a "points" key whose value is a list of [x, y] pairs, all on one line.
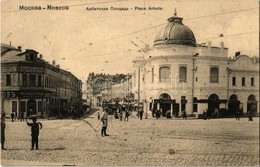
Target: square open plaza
{"points": [[147, 142]]}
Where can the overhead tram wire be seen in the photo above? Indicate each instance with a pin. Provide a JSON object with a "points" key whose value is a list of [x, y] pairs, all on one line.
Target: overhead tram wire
{"points": [[199, 17], [230, 35]]}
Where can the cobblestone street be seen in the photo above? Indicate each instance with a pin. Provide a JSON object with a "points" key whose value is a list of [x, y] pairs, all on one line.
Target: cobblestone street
{"points": [[146, 142]]}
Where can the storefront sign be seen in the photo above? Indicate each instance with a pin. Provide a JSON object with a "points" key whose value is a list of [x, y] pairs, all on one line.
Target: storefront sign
{"points": [[10, 94], [32, 69], [31, 94]]}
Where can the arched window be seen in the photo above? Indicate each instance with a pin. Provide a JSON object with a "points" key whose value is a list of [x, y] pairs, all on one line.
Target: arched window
{"points": [[183, 74], [214, 74], [164, 74]]}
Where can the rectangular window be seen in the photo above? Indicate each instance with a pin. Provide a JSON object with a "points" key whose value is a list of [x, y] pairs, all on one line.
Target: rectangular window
{"points": [[243, 81], [183, 74], [164, 74], [24, 82], [234, 81], [32, 80], [252, 82], [214, 75], [39, 80], [8, 80]]}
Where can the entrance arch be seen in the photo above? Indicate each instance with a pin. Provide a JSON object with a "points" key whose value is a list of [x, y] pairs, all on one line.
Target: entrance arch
{"points": [[233, 104], [31, 104], [165, 96], [165, 103], [213, 102], [252, 104]]}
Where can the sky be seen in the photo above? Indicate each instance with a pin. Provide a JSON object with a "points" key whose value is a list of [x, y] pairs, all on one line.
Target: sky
{"points": [[106, 41]]}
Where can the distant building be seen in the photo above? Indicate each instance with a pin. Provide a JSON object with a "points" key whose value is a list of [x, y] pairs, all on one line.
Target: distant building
{"points": [[102, 87], [29, 82], [178, 74]]}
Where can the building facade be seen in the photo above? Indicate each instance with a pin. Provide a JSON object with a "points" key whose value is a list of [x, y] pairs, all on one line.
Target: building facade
{"points": [[178, 74], [102, 87], [29, 82]]}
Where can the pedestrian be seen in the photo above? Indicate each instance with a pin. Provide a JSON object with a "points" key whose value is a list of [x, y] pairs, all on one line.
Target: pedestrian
{"points": [[168, 114], [98, 115], [35, 130], [3, 132], [141, 112], [126, 115], [22, 116], [104, 119], [120, 115], [250, 118], [184, 116], [237, 115], [207, 114], [158, 114], [12, 116], [2, 115], [152, 110], [204, 115], [30, 112]]}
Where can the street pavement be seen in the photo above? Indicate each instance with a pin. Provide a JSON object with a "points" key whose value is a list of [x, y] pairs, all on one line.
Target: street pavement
{"points": [[147, 142]]}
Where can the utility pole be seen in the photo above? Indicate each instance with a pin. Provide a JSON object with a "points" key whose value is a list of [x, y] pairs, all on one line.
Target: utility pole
{"points": [[193, 78], [138, 89]]}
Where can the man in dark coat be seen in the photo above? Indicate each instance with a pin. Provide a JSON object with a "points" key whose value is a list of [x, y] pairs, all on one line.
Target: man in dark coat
{"points": [[35, 130]]}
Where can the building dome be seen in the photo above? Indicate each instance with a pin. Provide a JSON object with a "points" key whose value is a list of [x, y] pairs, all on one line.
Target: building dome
{"points": [[175, 33]]}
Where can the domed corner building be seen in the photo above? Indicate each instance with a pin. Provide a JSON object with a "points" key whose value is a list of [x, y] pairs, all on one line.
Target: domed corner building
{"points": [[177, 74]]}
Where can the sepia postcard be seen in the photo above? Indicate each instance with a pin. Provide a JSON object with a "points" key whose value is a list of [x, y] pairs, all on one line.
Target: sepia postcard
{"points": [[130, 83]]}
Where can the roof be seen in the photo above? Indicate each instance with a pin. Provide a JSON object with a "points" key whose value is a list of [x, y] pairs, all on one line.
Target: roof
{"points": [[175, 33]]}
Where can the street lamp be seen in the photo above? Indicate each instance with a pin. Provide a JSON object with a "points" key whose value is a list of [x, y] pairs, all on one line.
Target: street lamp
{"points": [[193, 78]]}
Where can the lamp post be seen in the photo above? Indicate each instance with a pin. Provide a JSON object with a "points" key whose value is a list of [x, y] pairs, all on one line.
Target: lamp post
{"points": [[127, 77], [229, 71], [193, 78]]}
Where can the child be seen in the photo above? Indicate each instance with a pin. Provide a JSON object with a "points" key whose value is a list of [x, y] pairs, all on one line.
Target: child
{"points": [[35, 127]]}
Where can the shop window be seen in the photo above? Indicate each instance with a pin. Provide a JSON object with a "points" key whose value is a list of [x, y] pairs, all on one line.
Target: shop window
{"points": [[23, 109], [214, 75], [164, 74], [8, 80], [40, 106], [14, 106]]}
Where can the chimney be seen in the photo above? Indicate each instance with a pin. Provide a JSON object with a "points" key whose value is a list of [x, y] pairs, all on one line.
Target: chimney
{"points": [[209, 44], [53, 62], [221, 44], [40, 56], [237, 54], [19, 48]]}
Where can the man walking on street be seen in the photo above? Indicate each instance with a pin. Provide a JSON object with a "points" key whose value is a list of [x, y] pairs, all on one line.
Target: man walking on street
{"points": [[104, 119], [141, 112]]}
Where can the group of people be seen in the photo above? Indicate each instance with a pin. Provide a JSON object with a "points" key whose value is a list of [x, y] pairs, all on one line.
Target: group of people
{"points": [[35, 130]]}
